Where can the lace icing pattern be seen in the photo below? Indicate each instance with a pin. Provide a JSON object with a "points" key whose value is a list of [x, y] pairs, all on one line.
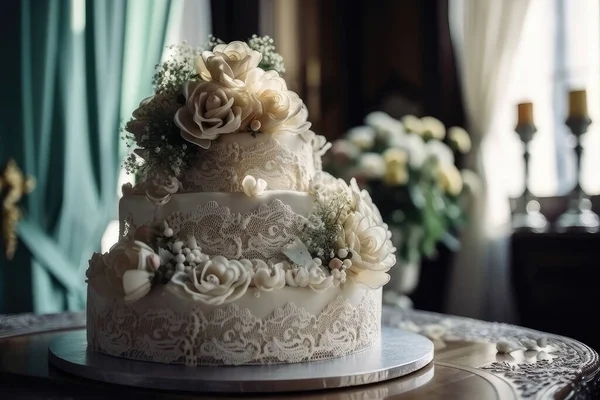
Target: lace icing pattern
{"points": [[260, 234], [232, 335], [223, 167]]}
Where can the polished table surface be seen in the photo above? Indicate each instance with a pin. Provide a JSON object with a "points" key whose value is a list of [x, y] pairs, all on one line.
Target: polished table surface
{"points": [[466, 365]]}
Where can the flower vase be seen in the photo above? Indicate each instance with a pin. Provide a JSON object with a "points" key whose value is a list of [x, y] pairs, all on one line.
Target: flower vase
{"points": [[404, 277]]}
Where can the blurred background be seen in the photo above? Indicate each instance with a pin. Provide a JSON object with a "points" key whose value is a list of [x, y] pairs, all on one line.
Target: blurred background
{"points": [[74, 70]]}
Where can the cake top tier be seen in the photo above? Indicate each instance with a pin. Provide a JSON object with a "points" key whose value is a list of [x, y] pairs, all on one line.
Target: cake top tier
{"points": [[204, 94]]}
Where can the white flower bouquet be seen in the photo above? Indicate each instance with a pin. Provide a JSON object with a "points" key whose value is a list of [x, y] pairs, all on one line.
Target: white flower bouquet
{"points": [[408, 167]]}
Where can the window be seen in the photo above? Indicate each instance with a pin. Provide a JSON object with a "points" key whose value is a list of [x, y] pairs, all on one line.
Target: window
{"points": [[559, 51]]}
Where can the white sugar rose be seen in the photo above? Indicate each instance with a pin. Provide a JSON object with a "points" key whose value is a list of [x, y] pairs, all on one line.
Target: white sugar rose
{"points": [[296, 123], [212, 110], [297, 277], [318, 279], [339, 276], [279, 105], [360, 201], [253, 187], [268, 277], [126, 271], [217, 281], [228, 64], [159, 191], [369, 249]]}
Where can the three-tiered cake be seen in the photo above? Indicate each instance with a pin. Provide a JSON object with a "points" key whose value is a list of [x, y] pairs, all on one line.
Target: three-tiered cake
{"points": [[236, 248]]}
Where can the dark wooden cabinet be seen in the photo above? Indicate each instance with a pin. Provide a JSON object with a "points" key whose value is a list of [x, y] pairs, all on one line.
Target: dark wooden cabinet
{"points": [[556, 277]]}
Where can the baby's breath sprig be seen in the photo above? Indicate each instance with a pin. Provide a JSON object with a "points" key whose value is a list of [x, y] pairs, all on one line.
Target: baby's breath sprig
{"points": [[212, 42], [271, 60], [158, 147], [171, 74], [322, 229]]}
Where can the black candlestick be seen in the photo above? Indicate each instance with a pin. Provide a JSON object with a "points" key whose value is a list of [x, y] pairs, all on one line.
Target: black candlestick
{"points": [[579, 215], [527, 216]]}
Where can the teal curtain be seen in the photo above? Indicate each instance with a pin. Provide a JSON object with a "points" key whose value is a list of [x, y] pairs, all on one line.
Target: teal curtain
{"points": [[76, 63]]}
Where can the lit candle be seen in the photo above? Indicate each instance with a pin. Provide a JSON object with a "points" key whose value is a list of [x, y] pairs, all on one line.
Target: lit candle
{"points": [[525, 112], [577, 103]]}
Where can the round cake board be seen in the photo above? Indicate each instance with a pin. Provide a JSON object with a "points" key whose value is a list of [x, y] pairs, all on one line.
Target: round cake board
{"points": [[399, 353]]}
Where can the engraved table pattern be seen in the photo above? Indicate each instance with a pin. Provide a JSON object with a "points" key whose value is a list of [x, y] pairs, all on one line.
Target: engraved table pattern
{"points": [[567, 368]]}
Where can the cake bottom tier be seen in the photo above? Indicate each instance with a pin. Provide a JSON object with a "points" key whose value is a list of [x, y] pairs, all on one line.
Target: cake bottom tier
{"points": [[282, 326]]}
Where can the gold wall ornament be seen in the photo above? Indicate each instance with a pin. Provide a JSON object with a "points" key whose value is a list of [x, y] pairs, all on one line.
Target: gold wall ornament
{"points": [[13, 186]]}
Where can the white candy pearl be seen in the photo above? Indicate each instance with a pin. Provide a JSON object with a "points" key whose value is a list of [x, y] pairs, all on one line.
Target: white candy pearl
{"points": [[336, 263], [347, 263], [342, 253], [186, 251], [180, 267], [190, 258], [179, 258], [177, 246], [188, 270], [168, 232]]}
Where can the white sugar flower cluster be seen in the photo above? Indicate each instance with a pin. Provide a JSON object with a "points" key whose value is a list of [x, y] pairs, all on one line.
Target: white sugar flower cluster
{"points": [[232, 93], [348, 232], [200, 95], [217, 280]]}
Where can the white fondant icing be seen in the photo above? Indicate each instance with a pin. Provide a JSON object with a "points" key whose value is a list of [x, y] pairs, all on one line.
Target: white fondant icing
{"points": [[138, 211]]}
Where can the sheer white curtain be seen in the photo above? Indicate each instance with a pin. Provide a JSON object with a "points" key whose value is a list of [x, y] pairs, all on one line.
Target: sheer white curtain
{"points": [[486, 34], [189, 21]]}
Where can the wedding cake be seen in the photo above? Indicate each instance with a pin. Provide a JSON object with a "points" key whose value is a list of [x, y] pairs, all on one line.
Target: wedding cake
{"points": [[235, 247]]}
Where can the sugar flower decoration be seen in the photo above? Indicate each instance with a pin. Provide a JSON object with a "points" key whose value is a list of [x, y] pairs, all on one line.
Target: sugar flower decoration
{"points": [[125, 272], [228, 64], [216, 281], [210, 111], [268, 277], [253, 187]]}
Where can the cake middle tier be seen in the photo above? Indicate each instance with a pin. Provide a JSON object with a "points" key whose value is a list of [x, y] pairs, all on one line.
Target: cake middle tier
{"points": [[231, 225]]}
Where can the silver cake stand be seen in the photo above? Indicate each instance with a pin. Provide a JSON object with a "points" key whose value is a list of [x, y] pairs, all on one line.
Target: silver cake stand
{"points": [[399, 353]]}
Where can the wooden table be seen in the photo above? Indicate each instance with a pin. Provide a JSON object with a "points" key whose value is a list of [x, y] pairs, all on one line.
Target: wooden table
{"points": [[466, 364]]}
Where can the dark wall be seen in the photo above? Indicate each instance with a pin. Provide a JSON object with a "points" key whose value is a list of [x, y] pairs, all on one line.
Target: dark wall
{"points": [[387, 54]]}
